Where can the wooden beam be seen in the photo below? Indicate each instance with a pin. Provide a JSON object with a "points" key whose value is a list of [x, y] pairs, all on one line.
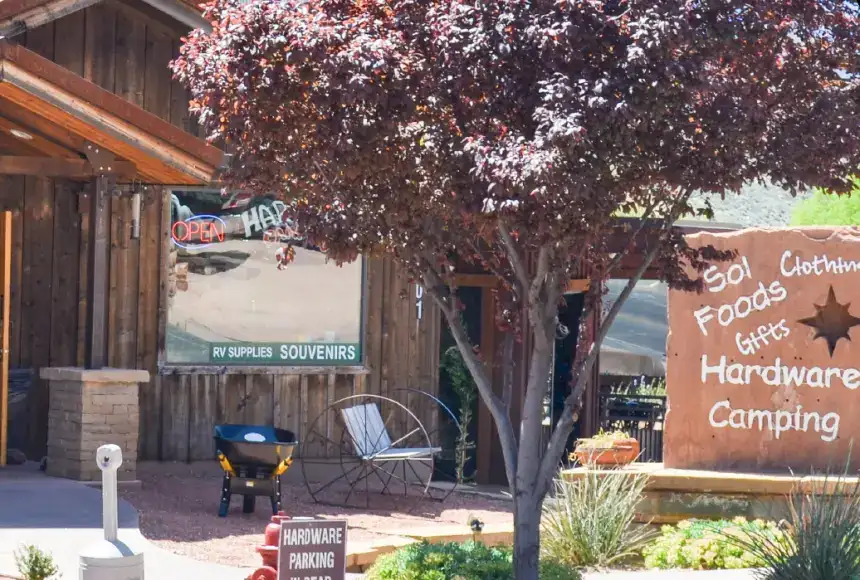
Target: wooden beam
{"points": [[476, 280], [620, 239], [51, 131], [97, 283], [577, 286], [490, 281], [9, 145], [39, 142], [57, 167], [157, 161], [23, 15], [182, 12], [487, 437]]}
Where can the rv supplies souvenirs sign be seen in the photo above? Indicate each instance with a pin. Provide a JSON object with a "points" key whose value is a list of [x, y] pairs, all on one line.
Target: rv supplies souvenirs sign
{"points": [[291, 353], [763, 367]]}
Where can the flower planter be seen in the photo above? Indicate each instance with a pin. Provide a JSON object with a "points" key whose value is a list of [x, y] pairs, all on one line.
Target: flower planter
{"points": [[618, 452]]}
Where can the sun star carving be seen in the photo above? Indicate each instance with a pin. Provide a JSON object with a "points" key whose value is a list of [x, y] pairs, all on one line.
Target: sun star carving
{"points": [[832, 321]]}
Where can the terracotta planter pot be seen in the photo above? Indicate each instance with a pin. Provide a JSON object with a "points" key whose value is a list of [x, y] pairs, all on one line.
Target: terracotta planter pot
{"points": [[622, 452]]}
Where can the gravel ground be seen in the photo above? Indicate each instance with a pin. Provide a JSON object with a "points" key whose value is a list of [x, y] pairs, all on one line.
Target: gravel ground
{"points": [[178, 506]]}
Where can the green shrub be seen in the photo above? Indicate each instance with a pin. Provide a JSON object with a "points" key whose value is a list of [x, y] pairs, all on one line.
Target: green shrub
{"points": [[34, 564], [707, 545], [824, 209], [589, 521], [822, 540], [454, 561]]}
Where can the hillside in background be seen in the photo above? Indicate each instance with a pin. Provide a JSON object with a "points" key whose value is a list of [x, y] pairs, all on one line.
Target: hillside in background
{"points": [[757, 205]]}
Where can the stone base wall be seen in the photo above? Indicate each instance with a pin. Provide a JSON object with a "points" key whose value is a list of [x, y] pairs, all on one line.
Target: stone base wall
{"points": [[88, 409]]}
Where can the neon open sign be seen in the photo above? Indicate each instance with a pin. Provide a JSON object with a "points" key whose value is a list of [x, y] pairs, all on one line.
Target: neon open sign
{"points": [[199, 231]]}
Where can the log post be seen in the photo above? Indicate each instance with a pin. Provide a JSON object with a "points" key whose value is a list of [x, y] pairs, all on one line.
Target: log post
{"points": [[98, 274]]}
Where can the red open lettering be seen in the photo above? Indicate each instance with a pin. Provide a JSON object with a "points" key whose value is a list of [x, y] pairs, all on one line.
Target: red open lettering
{"points": [[198, 231]]}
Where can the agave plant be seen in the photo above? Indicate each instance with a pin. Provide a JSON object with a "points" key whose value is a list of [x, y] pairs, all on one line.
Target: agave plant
{"points": [[589, 521], [821, 541]]}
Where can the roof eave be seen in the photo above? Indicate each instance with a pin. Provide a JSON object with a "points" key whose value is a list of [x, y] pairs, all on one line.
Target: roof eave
{"points": [[66, 99], [181, 12]]}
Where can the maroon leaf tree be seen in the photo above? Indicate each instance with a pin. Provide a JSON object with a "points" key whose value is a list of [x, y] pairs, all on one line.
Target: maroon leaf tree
{"points": [[509, 136]]}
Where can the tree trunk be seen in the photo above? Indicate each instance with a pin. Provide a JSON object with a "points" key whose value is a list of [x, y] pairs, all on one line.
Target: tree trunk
{"points": [[527, 508]]}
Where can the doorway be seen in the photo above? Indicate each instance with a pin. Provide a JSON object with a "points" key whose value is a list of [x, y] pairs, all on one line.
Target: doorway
{"points": [[485, 459], [450, 373], [566, 337]]}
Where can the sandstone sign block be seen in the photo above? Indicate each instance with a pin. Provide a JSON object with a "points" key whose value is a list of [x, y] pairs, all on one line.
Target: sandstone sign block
{"points": [[763, 367]]}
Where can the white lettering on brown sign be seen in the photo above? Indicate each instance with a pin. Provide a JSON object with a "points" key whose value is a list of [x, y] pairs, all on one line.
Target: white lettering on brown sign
{"points": [[312, 550], [762, 363]]}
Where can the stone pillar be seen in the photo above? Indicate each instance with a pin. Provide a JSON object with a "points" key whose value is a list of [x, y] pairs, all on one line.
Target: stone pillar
{"points": [[88, 409]]}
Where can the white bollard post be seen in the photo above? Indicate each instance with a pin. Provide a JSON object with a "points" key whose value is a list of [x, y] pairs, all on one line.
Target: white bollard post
{"points": [[110, 459], [110, 558]]}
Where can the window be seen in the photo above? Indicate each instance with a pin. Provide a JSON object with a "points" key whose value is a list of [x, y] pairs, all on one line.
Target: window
{"points": [[636, 342], [231, 300]]}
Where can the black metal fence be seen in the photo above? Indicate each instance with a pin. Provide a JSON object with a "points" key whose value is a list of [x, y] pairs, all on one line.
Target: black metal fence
{"points": [[640, 416]]}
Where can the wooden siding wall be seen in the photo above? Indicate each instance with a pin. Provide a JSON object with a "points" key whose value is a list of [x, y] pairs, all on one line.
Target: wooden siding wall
{"points": [[49, 285], [124, 47], [45, 241], [181, 407]]}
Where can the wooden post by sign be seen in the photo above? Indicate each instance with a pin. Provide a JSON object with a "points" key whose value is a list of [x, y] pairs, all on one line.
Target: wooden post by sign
{"points": [[312, 550], [96, 346]]}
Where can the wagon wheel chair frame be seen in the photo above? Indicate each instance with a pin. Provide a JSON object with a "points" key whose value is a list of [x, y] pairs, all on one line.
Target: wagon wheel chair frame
{"points": [[366, 447], [458, 430]]}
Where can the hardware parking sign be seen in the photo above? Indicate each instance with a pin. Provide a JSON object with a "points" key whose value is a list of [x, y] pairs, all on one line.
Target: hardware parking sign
{"points": [[312, 550]]}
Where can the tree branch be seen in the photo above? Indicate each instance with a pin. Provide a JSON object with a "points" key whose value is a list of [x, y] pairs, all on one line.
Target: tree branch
{"points": [[554, 290], [513, 252], [540, 275], [485, 263], [507, 370]]}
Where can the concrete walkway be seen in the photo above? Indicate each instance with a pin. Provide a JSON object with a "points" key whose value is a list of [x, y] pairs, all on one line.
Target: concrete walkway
{"points": [[63, 516]]}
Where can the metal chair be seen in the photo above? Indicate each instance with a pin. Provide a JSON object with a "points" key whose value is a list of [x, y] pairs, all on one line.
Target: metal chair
{"points": [[371, 439], [368, 456]]}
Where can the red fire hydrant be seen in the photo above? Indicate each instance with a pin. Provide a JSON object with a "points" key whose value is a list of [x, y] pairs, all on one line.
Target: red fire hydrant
{"points": [[269, 551]]}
